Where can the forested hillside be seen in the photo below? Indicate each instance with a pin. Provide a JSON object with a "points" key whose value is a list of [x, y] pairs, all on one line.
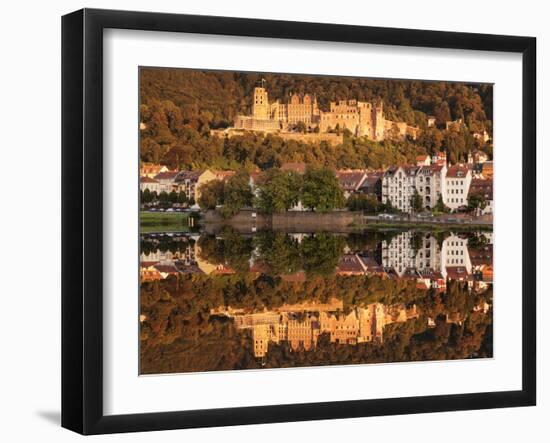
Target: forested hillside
{"points": [[179, 107]]}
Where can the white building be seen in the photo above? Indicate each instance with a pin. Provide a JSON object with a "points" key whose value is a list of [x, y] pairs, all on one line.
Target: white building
{"points": [[398, 185], [457, 185], [430, 183], [150, 183]]}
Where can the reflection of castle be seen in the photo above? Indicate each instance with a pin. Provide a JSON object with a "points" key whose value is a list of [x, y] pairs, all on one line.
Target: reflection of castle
{"points": [[361, 118], [301, 324]]}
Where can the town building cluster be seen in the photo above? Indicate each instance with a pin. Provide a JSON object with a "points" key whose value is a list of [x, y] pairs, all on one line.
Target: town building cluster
{"points": [[361, 118], [432, 179]]}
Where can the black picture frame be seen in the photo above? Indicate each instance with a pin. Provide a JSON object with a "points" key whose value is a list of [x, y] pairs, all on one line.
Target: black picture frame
{"points": [[82, 215]]}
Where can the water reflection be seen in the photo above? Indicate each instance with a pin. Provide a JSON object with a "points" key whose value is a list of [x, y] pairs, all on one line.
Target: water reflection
{"points": [[232, 301]]}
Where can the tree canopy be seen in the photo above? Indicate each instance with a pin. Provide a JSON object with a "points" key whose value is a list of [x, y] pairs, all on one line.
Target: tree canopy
{"points": [[179, 107]]}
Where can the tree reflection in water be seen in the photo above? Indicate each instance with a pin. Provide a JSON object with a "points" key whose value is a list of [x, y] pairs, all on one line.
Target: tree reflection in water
{"points": [[287, 300]]}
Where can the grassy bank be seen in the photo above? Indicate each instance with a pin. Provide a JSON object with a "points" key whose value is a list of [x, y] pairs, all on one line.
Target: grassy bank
{"points": [[163, 222]]}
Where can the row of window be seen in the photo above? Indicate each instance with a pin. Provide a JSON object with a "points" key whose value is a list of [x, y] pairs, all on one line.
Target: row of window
{"points": [[456, 200], [455, 261]]}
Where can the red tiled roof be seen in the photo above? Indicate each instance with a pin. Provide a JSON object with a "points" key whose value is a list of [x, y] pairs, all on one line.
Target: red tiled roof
{"points": [[147, 180], [254, 175], [169, 175], [188, 175], [350, 180], [350, 264], [167, 269], [457, 171], [457, 273], [224, 175], [482, 187]]}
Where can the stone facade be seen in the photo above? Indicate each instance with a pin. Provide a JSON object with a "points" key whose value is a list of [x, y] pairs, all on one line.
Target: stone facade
{"points": [[363, 119]]}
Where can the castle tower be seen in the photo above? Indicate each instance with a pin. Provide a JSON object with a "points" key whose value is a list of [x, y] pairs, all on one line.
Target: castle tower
{"points": [[378, 121], [260, 105]]}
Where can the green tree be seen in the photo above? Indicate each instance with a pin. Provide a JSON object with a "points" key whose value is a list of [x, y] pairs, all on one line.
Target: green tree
{"points": [[443, 113], [163, 197], [182, 197], [363, 202], [440, 205], [211, 194], [278, 190], [476, 202], [416, 201], [321, 190], [146, 196], [173, 197], [237, 193]]}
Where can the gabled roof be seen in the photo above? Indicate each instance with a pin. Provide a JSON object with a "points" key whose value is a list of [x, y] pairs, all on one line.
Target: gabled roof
{"points": [[188, 175], [350, 179], [168, 175], [482, 187], [457, 273], [224, 175], [147, 180], [457, 171], [350, 264]]}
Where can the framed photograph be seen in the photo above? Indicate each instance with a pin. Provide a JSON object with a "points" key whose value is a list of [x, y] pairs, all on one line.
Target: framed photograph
{"points": [[271, 221]]}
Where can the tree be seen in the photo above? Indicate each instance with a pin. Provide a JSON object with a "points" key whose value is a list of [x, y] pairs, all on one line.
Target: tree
{"points": [[476, 202], [440, 206], [321, 190], [211, 194], [163, 197], [173, 197], [443, 113], [146, 196], [301, 127], [182, 197], [237, 193], [416, 201], [363, 202], [278, 190]]}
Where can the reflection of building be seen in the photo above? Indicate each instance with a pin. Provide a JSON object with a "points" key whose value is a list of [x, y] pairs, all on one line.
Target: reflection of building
{"points": [[301, 324], [422, 258], [160, 264]]}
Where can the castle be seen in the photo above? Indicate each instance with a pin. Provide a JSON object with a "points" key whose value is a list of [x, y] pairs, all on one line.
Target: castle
{"points": [[363, 119]]}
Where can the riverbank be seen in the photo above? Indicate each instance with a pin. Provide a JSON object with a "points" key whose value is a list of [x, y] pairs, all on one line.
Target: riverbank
{"points": [[163, 222], [247, 221]]}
